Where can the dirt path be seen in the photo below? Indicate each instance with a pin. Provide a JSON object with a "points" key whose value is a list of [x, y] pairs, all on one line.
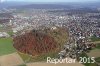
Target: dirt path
{"points": [[52, 64], [11, 60], [49, 64]]}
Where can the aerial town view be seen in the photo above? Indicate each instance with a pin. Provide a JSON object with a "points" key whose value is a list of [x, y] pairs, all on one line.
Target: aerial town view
{"points": [[49, 33]]}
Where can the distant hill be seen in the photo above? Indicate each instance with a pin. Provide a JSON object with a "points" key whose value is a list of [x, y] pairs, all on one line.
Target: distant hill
{"points": [[45, 6], [12, 4], [49, 5]]}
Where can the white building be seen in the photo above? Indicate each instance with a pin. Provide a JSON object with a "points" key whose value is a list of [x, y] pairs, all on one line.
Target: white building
{"points": [[53, 28]]}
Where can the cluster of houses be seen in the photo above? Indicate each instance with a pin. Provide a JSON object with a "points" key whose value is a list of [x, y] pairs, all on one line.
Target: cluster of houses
{"points": [[80, 32], [4, 35]]}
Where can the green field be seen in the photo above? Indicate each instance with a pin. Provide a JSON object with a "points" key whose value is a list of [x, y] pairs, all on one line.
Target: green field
{"points": [[98, 46], [22, 65], [6, 46], [97, 59], [93, 38]]}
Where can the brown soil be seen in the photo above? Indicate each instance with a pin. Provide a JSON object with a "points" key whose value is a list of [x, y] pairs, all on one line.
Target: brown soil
{"points": [[11, 60]]}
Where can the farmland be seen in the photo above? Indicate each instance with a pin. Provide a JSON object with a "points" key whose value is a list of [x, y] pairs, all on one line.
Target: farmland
{"points": [[6, 46]]}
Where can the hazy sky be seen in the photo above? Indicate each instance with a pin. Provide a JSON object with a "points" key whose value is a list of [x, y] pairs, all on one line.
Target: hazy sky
{"points": [[52, 0]]}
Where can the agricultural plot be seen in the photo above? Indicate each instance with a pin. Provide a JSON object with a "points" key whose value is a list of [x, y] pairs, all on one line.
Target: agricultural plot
{"points": [[6, 46]]}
